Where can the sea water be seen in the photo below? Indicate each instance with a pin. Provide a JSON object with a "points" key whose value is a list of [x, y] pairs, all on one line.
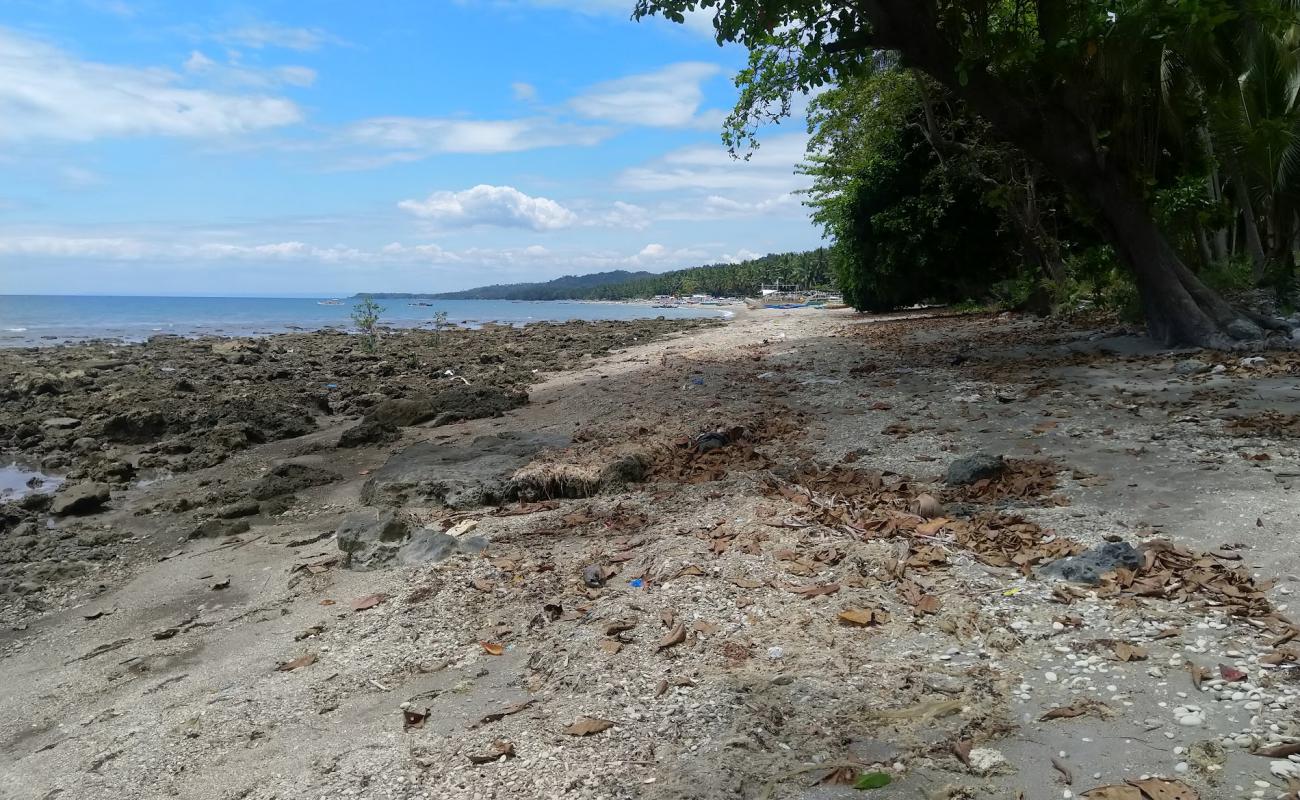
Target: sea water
{"points": [[27, 320]]}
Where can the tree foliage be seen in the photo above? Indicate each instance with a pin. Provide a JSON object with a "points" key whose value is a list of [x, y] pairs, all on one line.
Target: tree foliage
{"points": [[1115, 109]]}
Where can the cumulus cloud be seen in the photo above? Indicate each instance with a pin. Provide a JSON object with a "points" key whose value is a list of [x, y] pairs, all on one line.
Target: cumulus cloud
{"points": [[668, 97], [500, 206], [46, 93]]}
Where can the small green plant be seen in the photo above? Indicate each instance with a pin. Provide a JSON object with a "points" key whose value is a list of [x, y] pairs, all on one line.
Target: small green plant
{"points": [[365, 315], [439, 325]]}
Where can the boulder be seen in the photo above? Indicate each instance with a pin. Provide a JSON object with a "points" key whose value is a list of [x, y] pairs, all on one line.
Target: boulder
{"points": [[241, 508], [368, 431], [370, 538], [453, 404], [1192, 366], [1089, 566], [60, 423], [135, 427], [373, 538], [83, 498], [480, 473], [291, 477], [968, 470]]}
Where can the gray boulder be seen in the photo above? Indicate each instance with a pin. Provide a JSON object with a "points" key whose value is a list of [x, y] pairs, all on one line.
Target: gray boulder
{"points": [[241, 508], [968, 470], [83, 498], [60, 423], [1089, 566], [1191, 366], [370, 538], [460, 477], [291, 477]]}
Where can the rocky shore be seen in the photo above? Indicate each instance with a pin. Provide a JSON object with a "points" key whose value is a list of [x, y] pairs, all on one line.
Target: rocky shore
{"points": [[80, 423]]}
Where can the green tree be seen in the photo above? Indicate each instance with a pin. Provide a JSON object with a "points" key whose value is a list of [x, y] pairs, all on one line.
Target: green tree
{"points": [[1074, 84]]}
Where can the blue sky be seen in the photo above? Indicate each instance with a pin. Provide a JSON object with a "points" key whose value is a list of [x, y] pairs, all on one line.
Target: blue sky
{"points": [[160, 147]]}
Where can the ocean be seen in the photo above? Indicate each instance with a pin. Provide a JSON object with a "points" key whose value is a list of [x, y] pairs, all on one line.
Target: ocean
{"points": [[34, 320]]}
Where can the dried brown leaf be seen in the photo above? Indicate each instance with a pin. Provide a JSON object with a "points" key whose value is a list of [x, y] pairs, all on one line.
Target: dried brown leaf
{"points": [[1128, 652], [586, 726], [863, 616], [304, 660], [369, 601], [674, 637]]}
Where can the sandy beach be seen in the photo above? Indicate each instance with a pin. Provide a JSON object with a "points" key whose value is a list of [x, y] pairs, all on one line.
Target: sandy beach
{"points": [[651, 560]]}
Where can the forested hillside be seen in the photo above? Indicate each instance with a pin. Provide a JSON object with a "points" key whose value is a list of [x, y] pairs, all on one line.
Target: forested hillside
{"points": [[811, 269]]}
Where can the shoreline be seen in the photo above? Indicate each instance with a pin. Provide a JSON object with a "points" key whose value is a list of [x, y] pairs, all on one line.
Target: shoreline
{"points": [[123, 321]]}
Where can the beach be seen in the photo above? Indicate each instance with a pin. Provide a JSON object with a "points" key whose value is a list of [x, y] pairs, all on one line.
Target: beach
{"points": [[674, 559]]}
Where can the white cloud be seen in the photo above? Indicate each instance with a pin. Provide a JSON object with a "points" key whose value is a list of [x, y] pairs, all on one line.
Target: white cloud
{"points": [[197, 255], [414, 138], [236, 74], [498, 206], [524, 92], [668, 97], [709, 168], [48, 94], [265, 35]]}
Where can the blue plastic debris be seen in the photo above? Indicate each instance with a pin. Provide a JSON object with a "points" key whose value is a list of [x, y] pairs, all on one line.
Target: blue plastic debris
{"points": [[331, 386], [636, 583]]}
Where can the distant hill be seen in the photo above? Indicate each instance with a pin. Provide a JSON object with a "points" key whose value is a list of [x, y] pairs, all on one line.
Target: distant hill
{"points": [[809, 269], [566, 288]]}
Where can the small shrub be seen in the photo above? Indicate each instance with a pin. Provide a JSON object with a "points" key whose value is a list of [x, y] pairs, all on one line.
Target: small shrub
{"points": [[365, 315]]}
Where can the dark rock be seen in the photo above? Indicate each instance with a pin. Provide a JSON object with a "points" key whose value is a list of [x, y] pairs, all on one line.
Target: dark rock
{"points": [[214, 528], [452, 404], [370, 538], [60, 423], [965, 471], [373, 538], [593, 575], [83, 498], [456, 476], [1089, 566], [402, 413], [291, 477], [1192, 366], [426, 546], [135, 427], [368, 431], [243, 508]]}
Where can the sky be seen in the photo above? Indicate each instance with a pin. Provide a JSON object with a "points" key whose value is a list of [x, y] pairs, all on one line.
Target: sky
{"points": [[293, 148]]}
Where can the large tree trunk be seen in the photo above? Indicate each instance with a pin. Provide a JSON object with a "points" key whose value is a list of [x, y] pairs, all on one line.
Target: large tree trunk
{"points": [[1053, 127], [1178, 307]]}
